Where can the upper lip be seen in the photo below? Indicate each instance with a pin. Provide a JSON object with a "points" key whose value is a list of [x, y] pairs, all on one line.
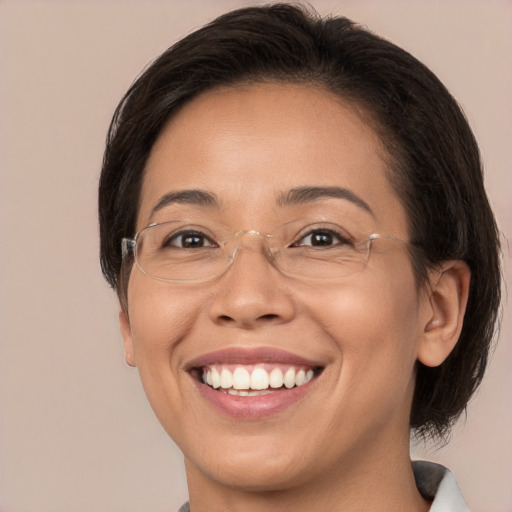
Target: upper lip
{"points": [[247, 356]]}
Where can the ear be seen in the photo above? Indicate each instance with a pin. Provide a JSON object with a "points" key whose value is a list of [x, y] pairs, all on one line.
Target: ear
{"points": [[126, 333], [447, 297]]}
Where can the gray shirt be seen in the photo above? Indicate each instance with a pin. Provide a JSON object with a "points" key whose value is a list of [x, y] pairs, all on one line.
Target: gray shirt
{"points": [[434, 482]]}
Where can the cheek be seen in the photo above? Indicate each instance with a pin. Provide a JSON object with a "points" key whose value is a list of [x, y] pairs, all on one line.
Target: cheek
{"points": [[159, 315], [374, 324], [160, 319], [385, 307]]}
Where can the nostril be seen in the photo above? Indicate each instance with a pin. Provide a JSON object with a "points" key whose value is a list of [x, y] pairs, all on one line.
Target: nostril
{"points": [[265, 318], [250, 322], [270, 316], [226, 318]]}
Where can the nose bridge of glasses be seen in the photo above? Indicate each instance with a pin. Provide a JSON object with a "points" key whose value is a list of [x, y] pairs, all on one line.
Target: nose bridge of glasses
{"points": [[251, 240]]}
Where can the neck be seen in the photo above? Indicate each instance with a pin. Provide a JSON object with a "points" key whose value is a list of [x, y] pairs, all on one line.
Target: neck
{"points": [[380, 479]]}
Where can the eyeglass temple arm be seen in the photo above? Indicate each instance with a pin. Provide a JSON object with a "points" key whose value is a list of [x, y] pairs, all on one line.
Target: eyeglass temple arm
{"points": [[127, 246]]}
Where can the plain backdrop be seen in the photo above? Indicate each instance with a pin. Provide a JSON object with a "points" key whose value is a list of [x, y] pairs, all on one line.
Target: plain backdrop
{"points": [[76, 433]]}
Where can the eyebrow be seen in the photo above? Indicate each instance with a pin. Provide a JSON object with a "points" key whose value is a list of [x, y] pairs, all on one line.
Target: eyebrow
{"points": [[194, 197], [299, 195], [303, 195]]}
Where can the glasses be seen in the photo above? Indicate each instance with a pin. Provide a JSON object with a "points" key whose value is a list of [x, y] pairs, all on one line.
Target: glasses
{"points": [[181, 252]]}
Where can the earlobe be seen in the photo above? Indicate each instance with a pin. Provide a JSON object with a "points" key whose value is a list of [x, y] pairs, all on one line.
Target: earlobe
{"points": [[448, 296], [126, 333]]}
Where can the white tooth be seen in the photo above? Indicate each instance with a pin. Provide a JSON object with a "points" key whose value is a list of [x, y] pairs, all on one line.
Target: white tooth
{"points": [[226, 379], [233, 391], [241, 378], [259, 379], [259, 392], [309, 375], [289, 378], [276, 378], [243, 393], [209, 377], [215, 378], [300, 378]]}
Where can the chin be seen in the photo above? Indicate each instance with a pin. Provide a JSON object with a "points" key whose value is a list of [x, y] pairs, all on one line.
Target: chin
{"points": [[255, 474]]}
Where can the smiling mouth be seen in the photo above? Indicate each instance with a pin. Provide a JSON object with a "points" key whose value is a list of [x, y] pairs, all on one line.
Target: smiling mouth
{"points": [[254, 380]]}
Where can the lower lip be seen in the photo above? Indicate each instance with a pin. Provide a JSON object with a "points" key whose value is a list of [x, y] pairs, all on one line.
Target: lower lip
{"points": [[253, 407]]}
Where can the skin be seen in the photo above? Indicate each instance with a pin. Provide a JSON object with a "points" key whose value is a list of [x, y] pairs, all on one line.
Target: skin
{"points": [[345, 444]]}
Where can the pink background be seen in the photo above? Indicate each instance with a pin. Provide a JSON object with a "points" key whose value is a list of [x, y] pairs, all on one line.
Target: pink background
{"points": [[76, 433]]}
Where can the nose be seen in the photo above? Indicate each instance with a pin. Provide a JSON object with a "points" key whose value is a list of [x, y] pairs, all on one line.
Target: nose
{"points": [[252, 292]]}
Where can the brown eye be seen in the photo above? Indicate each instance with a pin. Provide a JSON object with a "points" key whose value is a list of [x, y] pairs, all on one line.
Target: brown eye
{"points": [[188, 240], [321, 238]]}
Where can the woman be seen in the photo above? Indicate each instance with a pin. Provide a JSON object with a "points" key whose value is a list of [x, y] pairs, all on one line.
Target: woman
{"points": [[292, 213]]}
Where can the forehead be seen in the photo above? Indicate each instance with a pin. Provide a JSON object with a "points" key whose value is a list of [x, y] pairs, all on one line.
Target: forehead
{"points": [[249, 146]]}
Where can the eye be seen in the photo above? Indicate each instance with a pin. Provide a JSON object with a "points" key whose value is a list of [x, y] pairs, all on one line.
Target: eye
{"points": [[321, 237], [189, 239]]}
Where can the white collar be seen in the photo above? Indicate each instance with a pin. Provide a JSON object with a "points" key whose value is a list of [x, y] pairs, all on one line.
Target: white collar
{"points": [[438, 483]]}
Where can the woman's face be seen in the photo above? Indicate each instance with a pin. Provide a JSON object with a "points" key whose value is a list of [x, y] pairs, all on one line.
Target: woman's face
{"points": [[263, 156]]}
